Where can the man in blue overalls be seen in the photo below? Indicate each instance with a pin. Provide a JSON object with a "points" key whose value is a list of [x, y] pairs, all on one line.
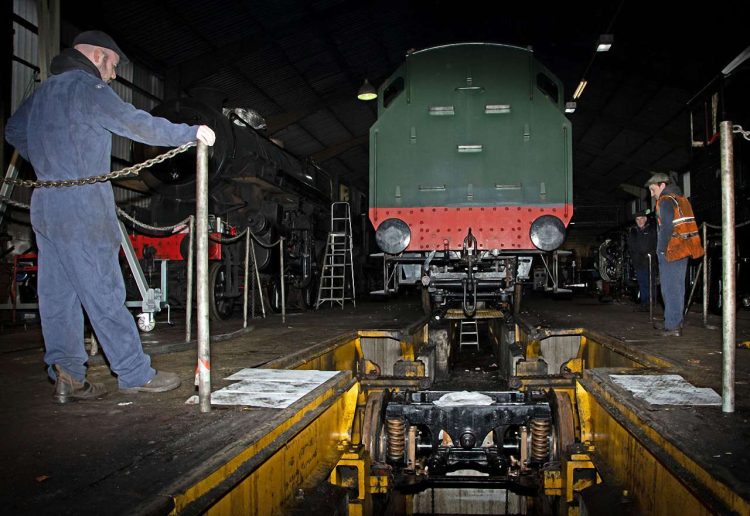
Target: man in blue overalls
{"points": [[65, 131]]}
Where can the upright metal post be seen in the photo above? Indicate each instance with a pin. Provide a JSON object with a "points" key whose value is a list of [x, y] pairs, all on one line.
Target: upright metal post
{"points": [[692, 290], [705, 275], [650, 289], [190, 267], [283, 300], [201, 222], [257, 279], [252, 289], [728, 298], [247, 273]]}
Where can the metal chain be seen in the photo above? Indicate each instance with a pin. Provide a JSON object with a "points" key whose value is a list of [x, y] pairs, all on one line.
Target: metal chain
{"points": [[159, 229], [117, 174], [738, 129], [230, 240], [719, 226], [227, 240]]}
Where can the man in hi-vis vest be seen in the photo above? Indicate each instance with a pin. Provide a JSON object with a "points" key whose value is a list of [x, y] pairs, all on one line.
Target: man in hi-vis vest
{"points": [[677, 240]]}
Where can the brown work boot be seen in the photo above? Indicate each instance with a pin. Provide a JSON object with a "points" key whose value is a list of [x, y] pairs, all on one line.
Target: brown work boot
{"points": [[69, 389], [163, 381]]}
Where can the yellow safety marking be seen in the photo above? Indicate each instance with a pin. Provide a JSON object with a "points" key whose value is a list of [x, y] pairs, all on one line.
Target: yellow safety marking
{"points": [[660, 489], [302, 454]]}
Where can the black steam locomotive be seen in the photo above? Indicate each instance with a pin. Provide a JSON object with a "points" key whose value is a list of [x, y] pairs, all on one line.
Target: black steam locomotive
{"points": [[253, 183]]}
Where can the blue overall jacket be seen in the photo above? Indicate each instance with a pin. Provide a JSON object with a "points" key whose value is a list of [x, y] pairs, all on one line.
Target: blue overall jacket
{"points": [[65, 131]]}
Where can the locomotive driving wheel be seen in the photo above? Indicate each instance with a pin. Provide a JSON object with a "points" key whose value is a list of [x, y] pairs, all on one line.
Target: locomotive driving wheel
{"points": [[220, 306]]}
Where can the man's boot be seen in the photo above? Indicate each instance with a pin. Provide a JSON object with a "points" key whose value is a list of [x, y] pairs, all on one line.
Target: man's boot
{"points": [[69, 389], [163, 381]]}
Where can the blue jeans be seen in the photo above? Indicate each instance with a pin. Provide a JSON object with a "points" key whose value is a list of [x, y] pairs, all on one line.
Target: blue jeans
{"points": [[641, 274], [672, 290], [86, 273]]}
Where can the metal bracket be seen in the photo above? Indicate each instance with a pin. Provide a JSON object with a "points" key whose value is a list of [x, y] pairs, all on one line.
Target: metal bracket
{"points": [[151, 298]]}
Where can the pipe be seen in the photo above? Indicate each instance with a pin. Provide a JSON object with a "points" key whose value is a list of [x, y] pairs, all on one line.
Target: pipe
{"points": [[650, 289], [257, 279], [705, 275], [190, 267], [247, 273], [692, 289], [729, 298], [252, 288], [201, 217], [281, 274]]}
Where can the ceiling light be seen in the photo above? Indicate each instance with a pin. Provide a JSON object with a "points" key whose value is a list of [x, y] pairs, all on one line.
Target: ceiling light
{"points": [[737, 61], [604, 43], [580, 88], [570, 107], [367, 92]]}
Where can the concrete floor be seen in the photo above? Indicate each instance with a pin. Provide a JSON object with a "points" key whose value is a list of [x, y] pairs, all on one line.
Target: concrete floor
{"points": [[109, 455]]}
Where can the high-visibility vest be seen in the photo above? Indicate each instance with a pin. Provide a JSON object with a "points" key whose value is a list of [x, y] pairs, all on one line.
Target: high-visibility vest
{"points": [[685, 240]]}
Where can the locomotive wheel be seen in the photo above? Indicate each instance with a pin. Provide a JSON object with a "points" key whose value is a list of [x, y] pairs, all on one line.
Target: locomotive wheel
{"points": [[374, 437], [220, 307], [563, 417]]}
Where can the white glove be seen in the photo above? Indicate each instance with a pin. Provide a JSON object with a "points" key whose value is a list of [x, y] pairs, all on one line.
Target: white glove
{"points": [[205, 135]]}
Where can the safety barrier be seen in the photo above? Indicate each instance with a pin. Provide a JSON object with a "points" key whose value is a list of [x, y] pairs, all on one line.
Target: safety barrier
{"points": [[197, 232]]}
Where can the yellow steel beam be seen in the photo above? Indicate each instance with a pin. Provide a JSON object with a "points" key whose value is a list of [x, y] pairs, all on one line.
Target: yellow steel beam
{"points": [[662, 478], [261, 477], [353, 472]]}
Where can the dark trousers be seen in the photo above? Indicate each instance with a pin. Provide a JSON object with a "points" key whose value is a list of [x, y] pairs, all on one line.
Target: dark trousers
{"points": [[85, 274], [673, 290], [641, 274]]}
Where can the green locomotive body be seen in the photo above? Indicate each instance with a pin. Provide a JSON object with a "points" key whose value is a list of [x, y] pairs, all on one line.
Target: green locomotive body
{"points": [[470, 161]]}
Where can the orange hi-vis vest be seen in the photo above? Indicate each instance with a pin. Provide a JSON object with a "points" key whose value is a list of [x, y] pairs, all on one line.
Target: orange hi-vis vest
{"points": [[685, 240]]}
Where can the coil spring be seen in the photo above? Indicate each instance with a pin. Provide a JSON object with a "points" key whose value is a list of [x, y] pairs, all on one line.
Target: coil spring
{"points": [[540, 434], [396, 429]]}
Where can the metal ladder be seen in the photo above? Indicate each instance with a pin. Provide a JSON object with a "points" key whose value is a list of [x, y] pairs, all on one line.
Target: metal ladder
{"points": [[338, 259], [469, 334], [6, 189]]}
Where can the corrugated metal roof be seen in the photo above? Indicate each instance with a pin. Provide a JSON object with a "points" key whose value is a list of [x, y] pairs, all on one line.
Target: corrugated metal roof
{"points": [[301, 63]]}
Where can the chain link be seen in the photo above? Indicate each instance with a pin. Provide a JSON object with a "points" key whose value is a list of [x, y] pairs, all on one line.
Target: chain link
{"points": [[117, 174], [719, 226], [174, 228], [738, 129]]}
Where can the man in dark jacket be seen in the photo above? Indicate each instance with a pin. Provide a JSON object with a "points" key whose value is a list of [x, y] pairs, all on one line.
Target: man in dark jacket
{"points": [[65, 130], [642, 245]]}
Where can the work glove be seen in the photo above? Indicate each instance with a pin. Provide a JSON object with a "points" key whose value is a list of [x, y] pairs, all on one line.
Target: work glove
{"points": [[205, 135]]}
